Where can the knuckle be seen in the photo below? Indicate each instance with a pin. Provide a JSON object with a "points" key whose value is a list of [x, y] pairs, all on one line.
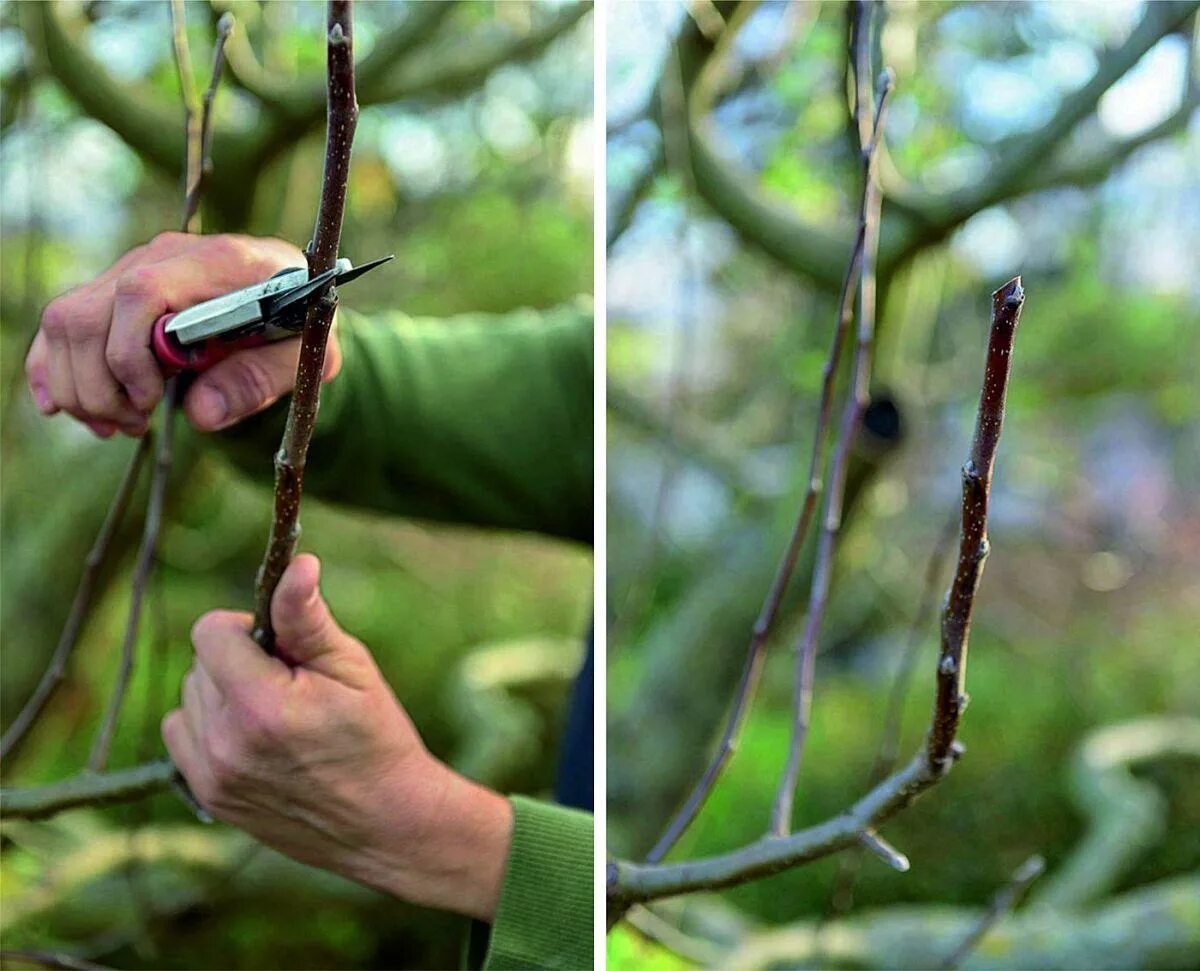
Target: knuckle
{"points": [[56, 318], [228, 247], [262, 723], [225, 756], [124, 361], [139, 283], [167, 240]]}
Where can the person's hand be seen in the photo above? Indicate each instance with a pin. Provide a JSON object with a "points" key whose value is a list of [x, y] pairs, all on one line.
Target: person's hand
{"points": [[91, 356], [311, 753]]}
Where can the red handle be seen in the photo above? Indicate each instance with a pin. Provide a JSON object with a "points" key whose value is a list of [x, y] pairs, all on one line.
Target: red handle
{"points": [[174, 357]]}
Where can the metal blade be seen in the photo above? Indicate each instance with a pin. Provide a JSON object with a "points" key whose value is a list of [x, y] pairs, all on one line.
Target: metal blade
{"points": [[362, 268], [275, 306]]}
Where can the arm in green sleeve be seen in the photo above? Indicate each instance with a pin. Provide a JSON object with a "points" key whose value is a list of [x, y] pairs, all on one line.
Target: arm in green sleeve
{"points": [[544, 918], [481, 419]]}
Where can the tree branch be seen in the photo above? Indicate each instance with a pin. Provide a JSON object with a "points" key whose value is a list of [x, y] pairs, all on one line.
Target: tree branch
{"points": [[80, 605], [630, 883], [87, 789], [201, 114], [142, 121], [870, 130], [302, 104], [1008, 174], [322, 254], [973, 543], [765, 624], [919, 218], [842, 896], [142, 569], [444, 75]]}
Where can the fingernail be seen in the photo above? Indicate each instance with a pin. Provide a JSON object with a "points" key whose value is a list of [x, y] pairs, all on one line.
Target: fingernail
{"points": [[210, 405], [41, 397]]}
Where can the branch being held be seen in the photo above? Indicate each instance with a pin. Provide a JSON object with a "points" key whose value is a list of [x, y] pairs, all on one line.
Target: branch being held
{"points": [[342, 119]]}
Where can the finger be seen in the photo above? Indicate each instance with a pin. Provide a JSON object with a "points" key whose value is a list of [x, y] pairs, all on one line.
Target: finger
{"points": [[36, 376], [244, 383], [59, 378], [100, 397], [193, 706], [184, 749], [230, 656], [247, 382], [209, 267], [140, 297], [306, 633]]}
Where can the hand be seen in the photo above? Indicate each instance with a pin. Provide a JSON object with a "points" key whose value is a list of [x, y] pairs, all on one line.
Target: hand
{"points": [[91, 355], [311, 753]]}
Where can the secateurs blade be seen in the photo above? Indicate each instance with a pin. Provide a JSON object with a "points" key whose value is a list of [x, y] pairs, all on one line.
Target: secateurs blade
{"points": [[197, 338]]}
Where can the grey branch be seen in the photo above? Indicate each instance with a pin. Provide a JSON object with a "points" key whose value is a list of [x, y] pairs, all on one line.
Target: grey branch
{"points": [[870, 128], [86, 789]]}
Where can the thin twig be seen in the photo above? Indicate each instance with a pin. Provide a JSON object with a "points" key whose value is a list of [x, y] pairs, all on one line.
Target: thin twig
{"points": [[764, 625], [631, 883], [870, 127], [290, 460], [198, 175], [193, 145], [143, 566], [973, 545], [56, 670], [1002, 903]]}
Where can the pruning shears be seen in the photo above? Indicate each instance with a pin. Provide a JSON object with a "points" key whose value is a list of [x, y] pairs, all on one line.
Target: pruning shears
{"points": [[197, 338]]}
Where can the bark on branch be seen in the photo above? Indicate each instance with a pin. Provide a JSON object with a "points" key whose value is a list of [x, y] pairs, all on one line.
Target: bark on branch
{"points": [[342, 118], [87, 789], [631, 883]]}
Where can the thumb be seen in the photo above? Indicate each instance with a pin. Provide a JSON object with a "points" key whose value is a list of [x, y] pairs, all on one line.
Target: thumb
{"points": [[305, 632], [248, 381]]}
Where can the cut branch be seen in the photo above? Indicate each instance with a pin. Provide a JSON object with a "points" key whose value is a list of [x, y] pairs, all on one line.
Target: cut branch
{"points": [[631, 883], [322, 254], [765, 624], [57, 668], [973, 542]]}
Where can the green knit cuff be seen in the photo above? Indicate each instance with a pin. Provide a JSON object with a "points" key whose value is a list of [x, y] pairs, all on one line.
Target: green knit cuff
{"points": [[544, 917]]}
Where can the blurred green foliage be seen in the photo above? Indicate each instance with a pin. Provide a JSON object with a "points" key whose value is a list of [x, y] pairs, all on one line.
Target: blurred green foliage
{"points": [[478, 631]]}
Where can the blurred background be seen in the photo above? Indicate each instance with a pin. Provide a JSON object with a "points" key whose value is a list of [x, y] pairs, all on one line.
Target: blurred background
{"points": [[1056, 141], [473, 163]]}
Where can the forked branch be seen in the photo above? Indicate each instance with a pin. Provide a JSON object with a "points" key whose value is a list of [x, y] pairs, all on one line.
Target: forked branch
{"points": [[764, 626], [630, 883]]}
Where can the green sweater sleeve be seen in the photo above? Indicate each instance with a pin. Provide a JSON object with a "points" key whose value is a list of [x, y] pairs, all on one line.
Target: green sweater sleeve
{"points": [[481, 419], [544, 919]]}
